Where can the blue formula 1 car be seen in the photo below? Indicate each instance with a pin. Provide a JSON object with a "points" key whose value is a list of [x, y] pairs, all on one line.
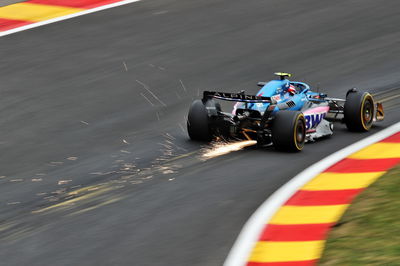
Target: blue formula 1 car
{"points": [[284, 114]]}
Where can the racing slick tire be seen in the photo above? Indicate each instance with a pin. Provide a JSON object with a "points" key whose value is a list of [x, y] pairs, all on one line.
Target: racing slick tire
{"points": [[289, 131], [359, 111], [198, 122]]}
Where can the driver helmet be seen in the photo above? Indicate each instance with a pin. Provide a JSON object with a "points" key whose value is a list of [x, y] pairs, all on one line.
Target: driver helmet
{"points": [[291, 89]]}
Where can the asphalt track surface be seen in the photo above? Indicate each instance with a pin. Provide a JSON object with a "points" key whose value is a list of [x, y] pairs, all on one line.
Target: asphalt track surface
{"points": [[9, 2], [74, 118]]}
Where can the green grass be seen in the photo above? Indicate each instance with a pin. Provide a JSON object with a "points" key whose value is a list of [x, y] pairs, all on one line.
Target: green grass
{"points": [[369, 232]]}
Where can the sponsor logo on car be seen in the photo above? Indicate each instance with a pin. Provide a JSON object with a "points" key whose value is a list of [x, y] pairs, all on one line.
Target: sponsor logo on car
{"points": [[312, 120], [276, 98]]}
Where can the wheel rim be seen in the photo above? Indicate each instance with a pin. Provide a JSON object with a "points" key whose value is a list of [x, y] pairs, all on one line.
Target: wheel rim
{"points": [[300, 133], [367, 113]]}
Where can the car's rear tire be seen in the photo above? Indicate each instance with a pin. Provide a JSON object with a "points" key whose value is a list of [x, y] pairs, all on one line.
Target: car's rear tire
{"points": [[289, 131], [359, 111], [198, 122]]}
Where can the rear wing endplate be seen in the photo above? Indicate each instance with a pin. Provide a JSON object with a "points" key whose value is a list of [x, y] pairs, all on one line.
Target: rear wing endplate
{"points": [[235, 97]]}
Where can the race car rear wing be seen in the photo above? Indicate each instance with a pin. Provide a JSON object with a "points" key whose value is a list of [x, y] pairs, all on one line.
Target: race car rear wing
{"points": [[235, 97]]}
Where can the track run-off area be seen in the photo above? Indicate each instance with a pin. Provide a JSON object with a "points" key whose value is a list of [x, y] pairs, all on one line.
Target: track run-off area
{"points": [[292, 225], [97, 168]]}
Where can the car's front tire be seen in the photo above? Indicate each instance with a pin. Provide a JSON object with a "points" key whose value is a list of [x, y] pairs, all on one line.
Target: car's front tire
{"points": [[359, 111]]}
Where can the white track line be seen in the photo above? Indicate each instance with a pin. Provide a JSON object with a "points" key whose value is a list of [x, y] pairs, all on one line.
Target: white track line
{"points": [[252, 230], [85, 12]]}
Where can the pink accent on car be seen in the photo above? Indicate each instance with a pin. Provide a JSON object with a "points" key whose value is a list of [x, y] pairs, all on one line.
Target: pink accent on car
{"points": [[319, 109], [235, 108]]}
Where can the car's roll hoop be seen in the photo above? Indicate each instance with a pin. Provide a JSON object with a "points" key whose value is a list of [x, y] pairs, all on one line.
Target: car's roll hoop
{"points": [[282, 75]]}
